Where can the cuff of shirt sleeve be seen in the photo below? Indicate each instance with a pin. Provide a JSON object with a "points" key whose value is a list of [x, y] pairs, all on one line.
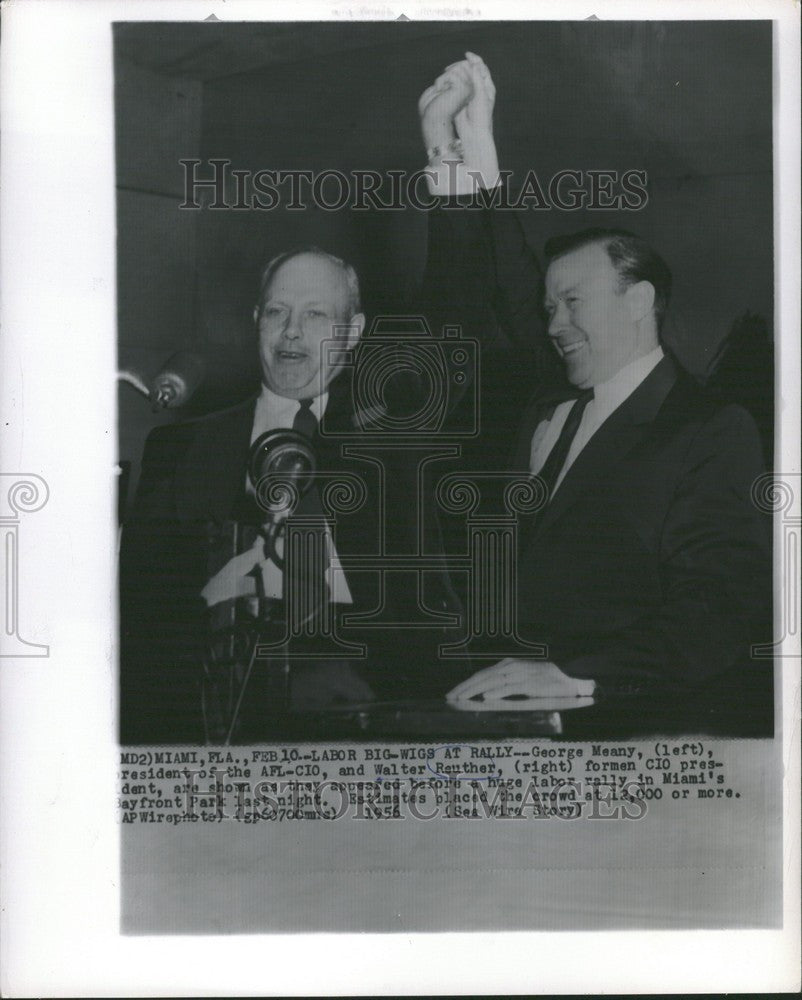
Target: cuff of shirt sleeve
{"points": [[610, 676], [482, 199]]}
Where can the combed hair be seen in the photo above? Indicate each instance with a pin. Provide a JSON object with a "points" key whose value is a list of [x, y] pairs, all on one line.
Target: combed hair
{"points": [[351, 279], [631, 256]]}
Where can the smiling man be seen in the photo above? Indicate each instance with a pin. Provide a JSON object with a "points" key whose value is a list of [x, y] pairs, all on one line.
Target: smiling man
{"points": [[196, 570], [647, 572], [307, 297], [606, 293], [194, 562], [304, 295]]}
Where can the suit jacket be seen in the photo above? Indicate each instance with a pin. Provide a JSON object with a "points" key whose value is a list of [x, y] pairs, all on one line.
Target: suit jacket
{"points": [[651, 565], [192, 483]]}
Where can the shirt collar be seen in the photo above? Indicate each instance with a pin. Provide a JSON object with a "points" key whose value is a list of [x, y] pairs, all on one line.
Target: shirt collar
{"points": [[274, 411], [283, 405], [610, 394]]}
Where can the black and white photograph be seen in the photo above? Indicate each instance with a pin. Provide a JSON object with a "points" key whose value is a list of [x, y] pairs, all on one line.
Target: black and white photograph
{"points": [[522, 416], [426, 410]]}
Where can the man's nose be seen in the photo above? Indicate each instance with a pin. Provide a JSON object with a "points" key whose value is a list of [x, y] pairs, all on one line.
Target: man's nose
{"points": [[292, 328], [557, 321]]}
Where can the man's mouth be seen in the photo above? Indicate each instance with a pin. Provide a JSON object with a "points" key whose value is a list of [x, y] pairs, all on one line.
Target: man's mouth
{"points": [[566, 350], [291, 355]]}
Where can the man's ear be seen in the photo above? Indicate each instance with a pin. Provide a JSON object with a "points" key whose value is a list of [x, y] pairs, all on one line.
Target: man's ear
{"points": [[256, 315], [640, 300], [356, 327]]}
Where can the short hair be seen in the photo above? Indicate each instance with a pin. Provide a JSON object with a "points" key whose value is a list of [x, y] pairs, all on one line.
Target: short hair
{"points": [[631, 256], [349, 274]]}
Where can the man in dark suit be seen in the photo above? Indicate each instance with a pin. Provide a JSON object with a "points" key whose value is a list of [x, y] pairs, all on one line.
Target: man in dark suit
{"points": [[648, 569], [194, 560]]}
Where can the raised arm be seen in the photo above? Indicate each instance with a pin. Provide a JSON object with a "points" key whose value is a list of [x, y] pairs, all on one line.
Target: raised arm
{"points": [[480, 270], [456, 115]]}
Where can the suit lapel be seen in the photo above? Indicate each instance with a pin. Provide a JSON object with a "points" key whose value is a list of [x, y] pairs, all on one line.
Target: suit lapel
{"points": [[625, 428], [541, 407], [536, 411], [212, 473]]}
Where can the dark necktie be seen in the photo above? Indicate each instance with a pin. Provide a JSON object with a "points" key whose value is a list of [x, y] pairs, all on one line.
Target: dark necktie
{"points": [[552, 467], [305, 422], [307, 580], [554, 463]]}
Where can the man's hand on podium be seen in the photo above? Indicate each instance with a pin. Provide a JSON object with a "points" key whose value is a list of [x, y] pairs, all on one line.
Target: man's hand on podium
{"points": [[511, 683]]}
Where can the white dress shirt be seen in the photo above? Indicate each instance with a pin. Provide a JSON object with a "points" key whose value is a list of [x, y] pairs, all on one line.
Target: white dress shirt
{"points": [[274, 411], [234, 579], [607, 397]]}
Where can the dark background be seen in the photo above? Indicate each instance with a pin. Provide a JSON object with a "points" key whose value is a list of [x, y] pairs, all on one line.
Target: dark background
{"points": [[688, 102]]}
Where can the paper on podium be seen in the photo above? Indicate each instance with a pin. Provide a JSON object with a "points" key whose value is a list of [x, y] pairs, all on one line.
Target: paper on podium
{"points": [[549, 703], [235, 579]]}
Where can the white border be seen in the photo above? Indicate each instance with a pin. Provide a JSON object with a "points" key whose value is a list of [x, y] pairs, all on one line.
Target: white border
{"points": [[59, 833]]}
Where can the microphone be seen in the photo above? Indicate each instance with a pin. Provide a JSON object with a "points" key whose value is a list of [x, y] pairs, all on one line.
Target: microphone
{"points": [[281, 468], [178, 380]]}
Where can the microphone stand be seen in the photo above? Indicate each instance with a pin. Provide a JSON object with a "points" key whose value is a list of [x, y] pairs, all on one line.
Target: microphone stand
{"points": [[286, 454], [270, 532]]}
